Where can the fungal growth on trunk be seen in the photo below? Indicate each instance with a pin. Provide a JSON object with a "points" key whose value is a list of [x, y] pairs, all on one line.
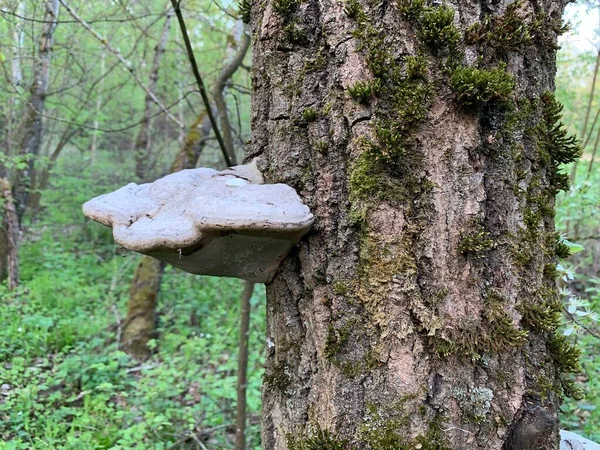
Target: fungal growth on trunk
{"points": [[207, 222]]}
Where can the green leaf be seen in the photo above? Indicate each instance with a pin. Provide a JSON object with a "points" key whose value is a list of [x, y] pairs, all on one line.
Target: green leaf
{"points": [[573, 248]]}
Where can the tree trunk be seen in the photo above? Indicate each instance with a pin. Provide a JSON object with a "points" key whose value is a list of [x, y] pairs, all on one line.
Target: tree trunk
{"points": [[242, 373], [139, 325], [32, 126], [421, 310], [11, 243], [142, 142]]}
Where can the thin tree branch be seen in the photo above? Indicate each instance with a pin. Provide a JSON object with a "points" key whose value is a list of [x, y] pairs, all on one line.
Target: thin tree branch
{"points": [[587, 329], [201, 88], [242, 375]]}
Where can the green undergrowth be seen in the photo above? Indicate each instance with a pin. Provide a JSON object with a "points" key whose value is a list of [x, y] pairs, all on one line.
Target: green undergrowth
{"points": [[579, 210], [64, 384]]}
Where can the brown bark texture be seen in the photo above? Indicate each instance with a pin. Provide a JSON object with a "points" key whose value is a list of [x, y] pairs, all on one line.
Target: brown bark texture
{"points": [[11, 235], [32, 124], [420, 311]]}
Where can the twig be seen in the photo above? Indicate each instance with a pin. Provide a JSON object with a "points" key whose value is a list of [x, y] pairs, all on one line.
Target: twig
{"points": [[572, 317], [198, 77], [141, 368]]}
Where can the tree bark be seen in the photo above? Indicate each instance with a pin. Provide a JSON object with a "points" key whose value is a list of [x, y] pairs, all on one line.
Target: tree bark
{"points": [[420, 311], [142, 142], [11, 223], [32, 126]]}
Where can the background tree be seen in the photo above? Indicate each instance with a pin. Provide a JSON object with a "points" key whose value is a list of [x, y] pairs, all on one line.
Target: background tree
{"points": [[421, 312]]}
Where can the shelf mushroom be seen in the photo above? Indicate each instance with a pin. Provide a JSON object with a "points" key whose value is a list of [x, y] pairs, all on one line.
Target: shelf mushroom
{"points": [[572, 441], [207, 222]]}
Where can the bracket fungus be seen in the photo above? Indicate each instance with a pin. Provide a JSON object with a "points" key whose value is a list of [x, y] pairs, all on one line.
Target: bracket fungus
{"points": [[207, 222], [572, 441]]}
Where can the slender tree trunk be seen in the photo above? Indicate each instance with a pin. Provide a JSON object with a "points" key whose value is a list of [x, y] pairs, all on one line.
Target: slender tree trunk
{"points": [[32, 126], [142, 142], [41, 180], [9, 130], [139, 325], [242, 373], [236, 57], [12, 234], [420, 311], [17, 71]]}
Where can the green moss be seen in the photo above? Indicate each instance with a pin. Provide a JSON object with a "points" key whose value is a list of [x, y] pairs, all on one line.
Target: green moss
{"points": [[509, 32], [337, 338], [433, 439], [381, 429], [436, 28], [285, 8], [562, 147], [276, 377], [340, 287], [474, 338], [371, 178], [561, 249], [566, 361], [244, 10], [475, 86], [541, 314], [354, 10], [550, 271], [319, 440], [411, 9], [555, 146], [293, 33], [416, 67], [322, 147], [360, 92], [475, 242], [309, 115]]}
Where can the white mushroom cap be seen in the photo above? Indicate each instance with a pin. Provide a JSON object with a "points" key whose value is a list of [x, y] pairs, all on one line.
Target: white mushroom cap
{"points": [[207, 222]]}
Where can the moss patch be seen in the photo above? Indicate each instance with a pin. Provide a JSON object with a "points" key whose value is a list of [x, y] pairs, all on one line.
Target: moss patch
{"points": [[475, 86]]}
